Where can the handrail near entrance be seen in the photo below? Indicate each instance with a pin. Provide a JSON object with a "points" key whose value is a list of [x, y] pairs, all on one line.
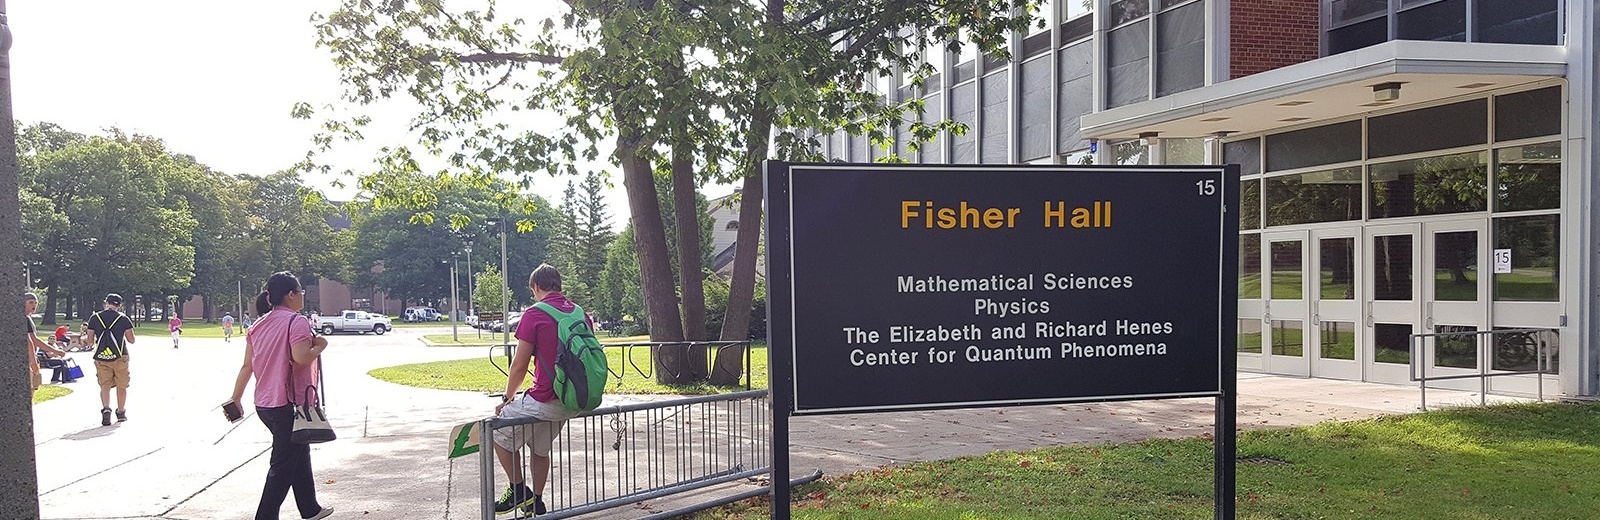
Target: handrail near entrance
{"points": [[619, 455], [1419, 366], [711, 349]]}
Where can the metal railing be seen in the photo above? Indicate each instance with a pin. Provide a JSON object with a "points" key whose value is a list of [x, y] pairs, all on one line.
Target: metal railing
{"points": [[619, 455], [1534, 338], [711, 350]]}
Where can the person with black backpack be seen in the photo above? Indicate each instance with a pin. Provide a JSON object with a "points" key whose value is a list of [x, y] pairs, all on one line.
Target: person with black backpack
{"points": [[110, 331], [569, 376]]}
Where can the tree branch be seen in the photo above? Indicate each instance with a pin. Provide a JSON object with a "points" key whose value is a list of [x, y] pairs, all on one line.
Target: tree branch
{"points": [[508, 57]]}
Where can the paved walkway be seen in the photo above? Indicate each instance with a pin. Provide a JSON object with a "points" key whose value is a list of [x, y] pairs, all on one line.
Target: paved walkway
{"points": [[176, 458]]}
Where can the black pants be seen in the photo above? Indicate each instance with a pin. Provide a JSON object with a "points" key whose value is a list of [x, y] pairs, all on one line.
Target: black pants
{"points": [[291, 468]]}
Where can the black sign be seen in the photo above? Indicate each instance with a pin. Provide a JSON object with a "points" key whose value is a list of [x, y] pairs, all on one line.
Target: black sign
{"points": [[915, 287], [490, 315]]}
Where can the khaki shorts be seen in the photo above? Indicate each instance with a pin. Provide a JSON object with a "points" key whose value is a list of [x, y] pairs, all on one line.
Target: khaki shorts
{"points": [[112, 374], [538, 436]]}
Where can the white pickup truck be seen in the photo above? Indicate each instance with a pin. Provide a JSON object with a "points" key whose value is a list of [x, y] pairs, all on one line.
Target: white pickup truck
{"points": [[354, 321]]}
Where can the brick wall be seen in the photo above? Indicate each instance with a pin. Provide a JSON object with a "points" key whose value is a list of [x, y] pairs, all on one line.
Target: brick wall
{"points": [[1268, 34]]}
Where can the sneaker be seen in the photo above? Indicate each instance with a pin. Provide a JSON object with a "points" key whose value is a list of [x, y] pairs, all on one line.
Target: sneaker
{"points": [[105, 417], [324, 513], [516, 495], [122, 416], [537, 508]]}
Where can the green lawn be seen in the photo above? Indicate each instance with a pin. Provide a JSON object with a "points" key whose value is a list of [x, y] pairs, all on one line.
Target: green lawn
{"points": [[1521, 461], [48, 392], [476, 374]]}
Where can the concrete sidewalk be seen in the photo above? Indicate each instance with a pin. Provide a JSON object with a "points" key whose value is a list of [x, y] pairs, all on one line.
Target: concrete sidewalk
{"points": [[176, 458]]}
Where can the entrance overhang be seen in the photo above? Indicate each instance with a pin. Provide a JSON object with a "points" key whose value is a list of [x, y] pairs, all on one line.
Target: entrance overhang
{"points": [[1332, 87]]}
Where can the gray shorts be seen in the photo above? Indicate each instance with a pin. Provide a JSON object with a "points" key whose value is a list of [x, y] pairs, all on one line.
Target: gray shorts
{"points": [[537, 436]]}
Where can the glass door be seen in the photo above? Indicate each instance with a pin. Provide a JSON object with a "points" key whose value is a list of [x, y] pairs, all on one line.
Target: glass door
{"points": [[1393, 300], [1284, 288], [1336, 321], [1456, 291], [1252, 307]]}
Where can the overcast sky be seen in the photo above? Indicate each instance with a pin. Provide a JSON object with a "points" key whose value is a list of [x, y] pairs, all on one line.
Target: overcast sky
{"points": [[215, 79]]}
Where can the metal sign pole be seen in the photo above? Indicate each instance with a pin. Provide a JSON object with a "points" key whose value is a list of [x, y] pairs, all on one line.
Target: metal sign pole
{"points": [[1226, 438], [780, 336]]}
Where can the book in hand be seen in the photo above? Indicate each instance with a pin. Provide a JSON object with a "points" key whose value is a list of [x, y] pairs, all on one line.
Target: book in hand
{"points": [[232, 411]]}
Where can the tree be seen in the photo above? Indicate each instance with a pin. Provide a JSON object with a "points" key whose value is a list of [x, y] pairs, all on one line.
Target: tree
{"points": [[111, 218], [672, 83], [489, 289], [404, 250], [620, 296]]}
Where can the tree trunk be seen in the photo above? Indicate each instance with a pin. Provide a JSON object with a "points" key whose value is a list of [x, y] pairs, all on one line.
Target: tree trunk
{"points": [[690, 262], [50, 303], [741, 289], [655, 271], [689, 258]]}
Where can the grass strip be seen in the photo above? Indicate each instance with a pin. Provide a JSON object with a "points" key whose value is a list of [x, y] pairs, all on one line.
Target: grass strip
{"points": [[48, 392], [478, 375], [1497, 462]]}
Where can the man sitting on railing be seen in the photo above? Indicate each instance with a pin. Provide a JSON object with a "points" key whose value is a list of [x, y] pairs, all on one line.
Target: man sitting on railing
{"points": [[537, 341]]}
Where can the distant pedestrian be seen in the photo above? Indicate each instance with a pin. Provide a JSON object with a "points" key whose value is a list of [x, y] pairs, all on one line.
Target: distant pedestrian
{"points": [[175, 326], [30, 303], [227, 327], [281, 352], [246, 321], [110, 331]]}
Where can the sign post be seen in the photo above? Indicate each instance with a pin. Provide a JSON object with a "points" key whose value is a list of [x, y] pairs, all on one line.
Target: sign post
{"points": [[898, 288]]}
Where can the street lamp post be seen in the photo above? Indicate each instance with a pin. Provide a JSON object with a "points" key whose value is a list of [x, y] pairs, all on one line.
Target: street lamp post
{"points": [[454, 308], [472, 305], [505, 278], [239, 286]]}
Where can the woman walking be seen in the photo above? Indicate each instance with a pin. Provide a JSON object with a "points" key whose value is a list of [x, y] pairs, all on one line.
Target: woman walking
{"points": [[281, 352]]}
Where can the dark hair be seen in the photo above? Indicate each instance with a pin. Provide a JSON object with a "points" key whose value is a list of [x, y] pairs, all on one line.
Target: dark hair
{"points": [[545, 277], [278, 286]]}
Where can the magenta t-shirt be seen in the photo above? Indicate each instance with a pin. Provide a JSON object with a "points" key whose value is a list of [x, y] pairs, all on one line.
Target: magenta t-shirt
{"points": [[174, 324], [539, 329], [269, 340]]}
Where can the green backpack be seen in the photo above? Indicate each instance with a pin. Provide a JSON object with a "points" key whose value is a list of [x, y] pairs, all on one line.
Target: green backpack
{"points": [[581, 368]]}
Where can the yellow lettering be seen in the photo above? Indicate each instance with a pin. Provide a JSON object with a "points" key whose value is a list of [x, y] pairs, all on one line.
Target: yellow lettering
{"points": [[1055, 215], [1080, 218], [908, 211]]}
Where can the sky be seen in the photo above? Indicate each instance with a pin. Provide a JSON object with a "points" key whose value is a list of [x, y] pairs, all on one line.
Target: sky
{"points": [[215, 79]]}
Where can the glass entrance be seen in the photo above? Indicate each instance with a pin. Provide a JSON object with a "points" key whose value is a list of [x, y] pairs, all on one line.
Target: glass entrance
{"points": [[1393, 301], [1457, 292], [1286, 317], [1336, 304]]}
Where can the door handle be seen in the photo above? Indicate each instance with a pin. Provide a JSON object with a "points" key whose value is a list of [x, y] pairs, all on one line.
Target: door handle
{"points": [[1369, 313]]}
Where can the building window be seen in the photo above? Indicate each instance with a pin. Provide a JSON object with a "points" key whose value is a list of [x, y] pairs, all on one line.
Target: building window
{"points": [[1535, 258], [1033, 136], [1173, 31], [1180, 48], [1536, 113], [1076, 96], [1250, 267], [1354, 24], [1189, 150], [1130, 153], [996, 117], [1076, 23], [1454, 183], [1304, 198], [964, 110], [1316, 146], [1250, 204], [1527, 177], [1419, 130]]}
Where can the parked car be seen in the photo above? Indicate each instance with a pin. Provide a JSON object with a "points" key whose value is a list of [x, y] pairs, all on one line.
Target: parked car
{"points": [[416, 314], [500, 326], [354, 321]]}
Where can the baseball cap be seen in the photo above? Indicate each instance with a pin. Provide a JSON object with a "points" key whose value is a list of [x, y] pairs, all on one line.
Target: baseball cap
{"points": [[30, 297], [114, 299]]}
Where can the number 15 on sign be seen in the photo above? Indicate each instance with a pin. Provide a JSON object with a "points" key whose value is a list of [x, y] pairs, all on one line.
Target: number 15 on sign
{"points": [[1502, 261], [1207, 186]]}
